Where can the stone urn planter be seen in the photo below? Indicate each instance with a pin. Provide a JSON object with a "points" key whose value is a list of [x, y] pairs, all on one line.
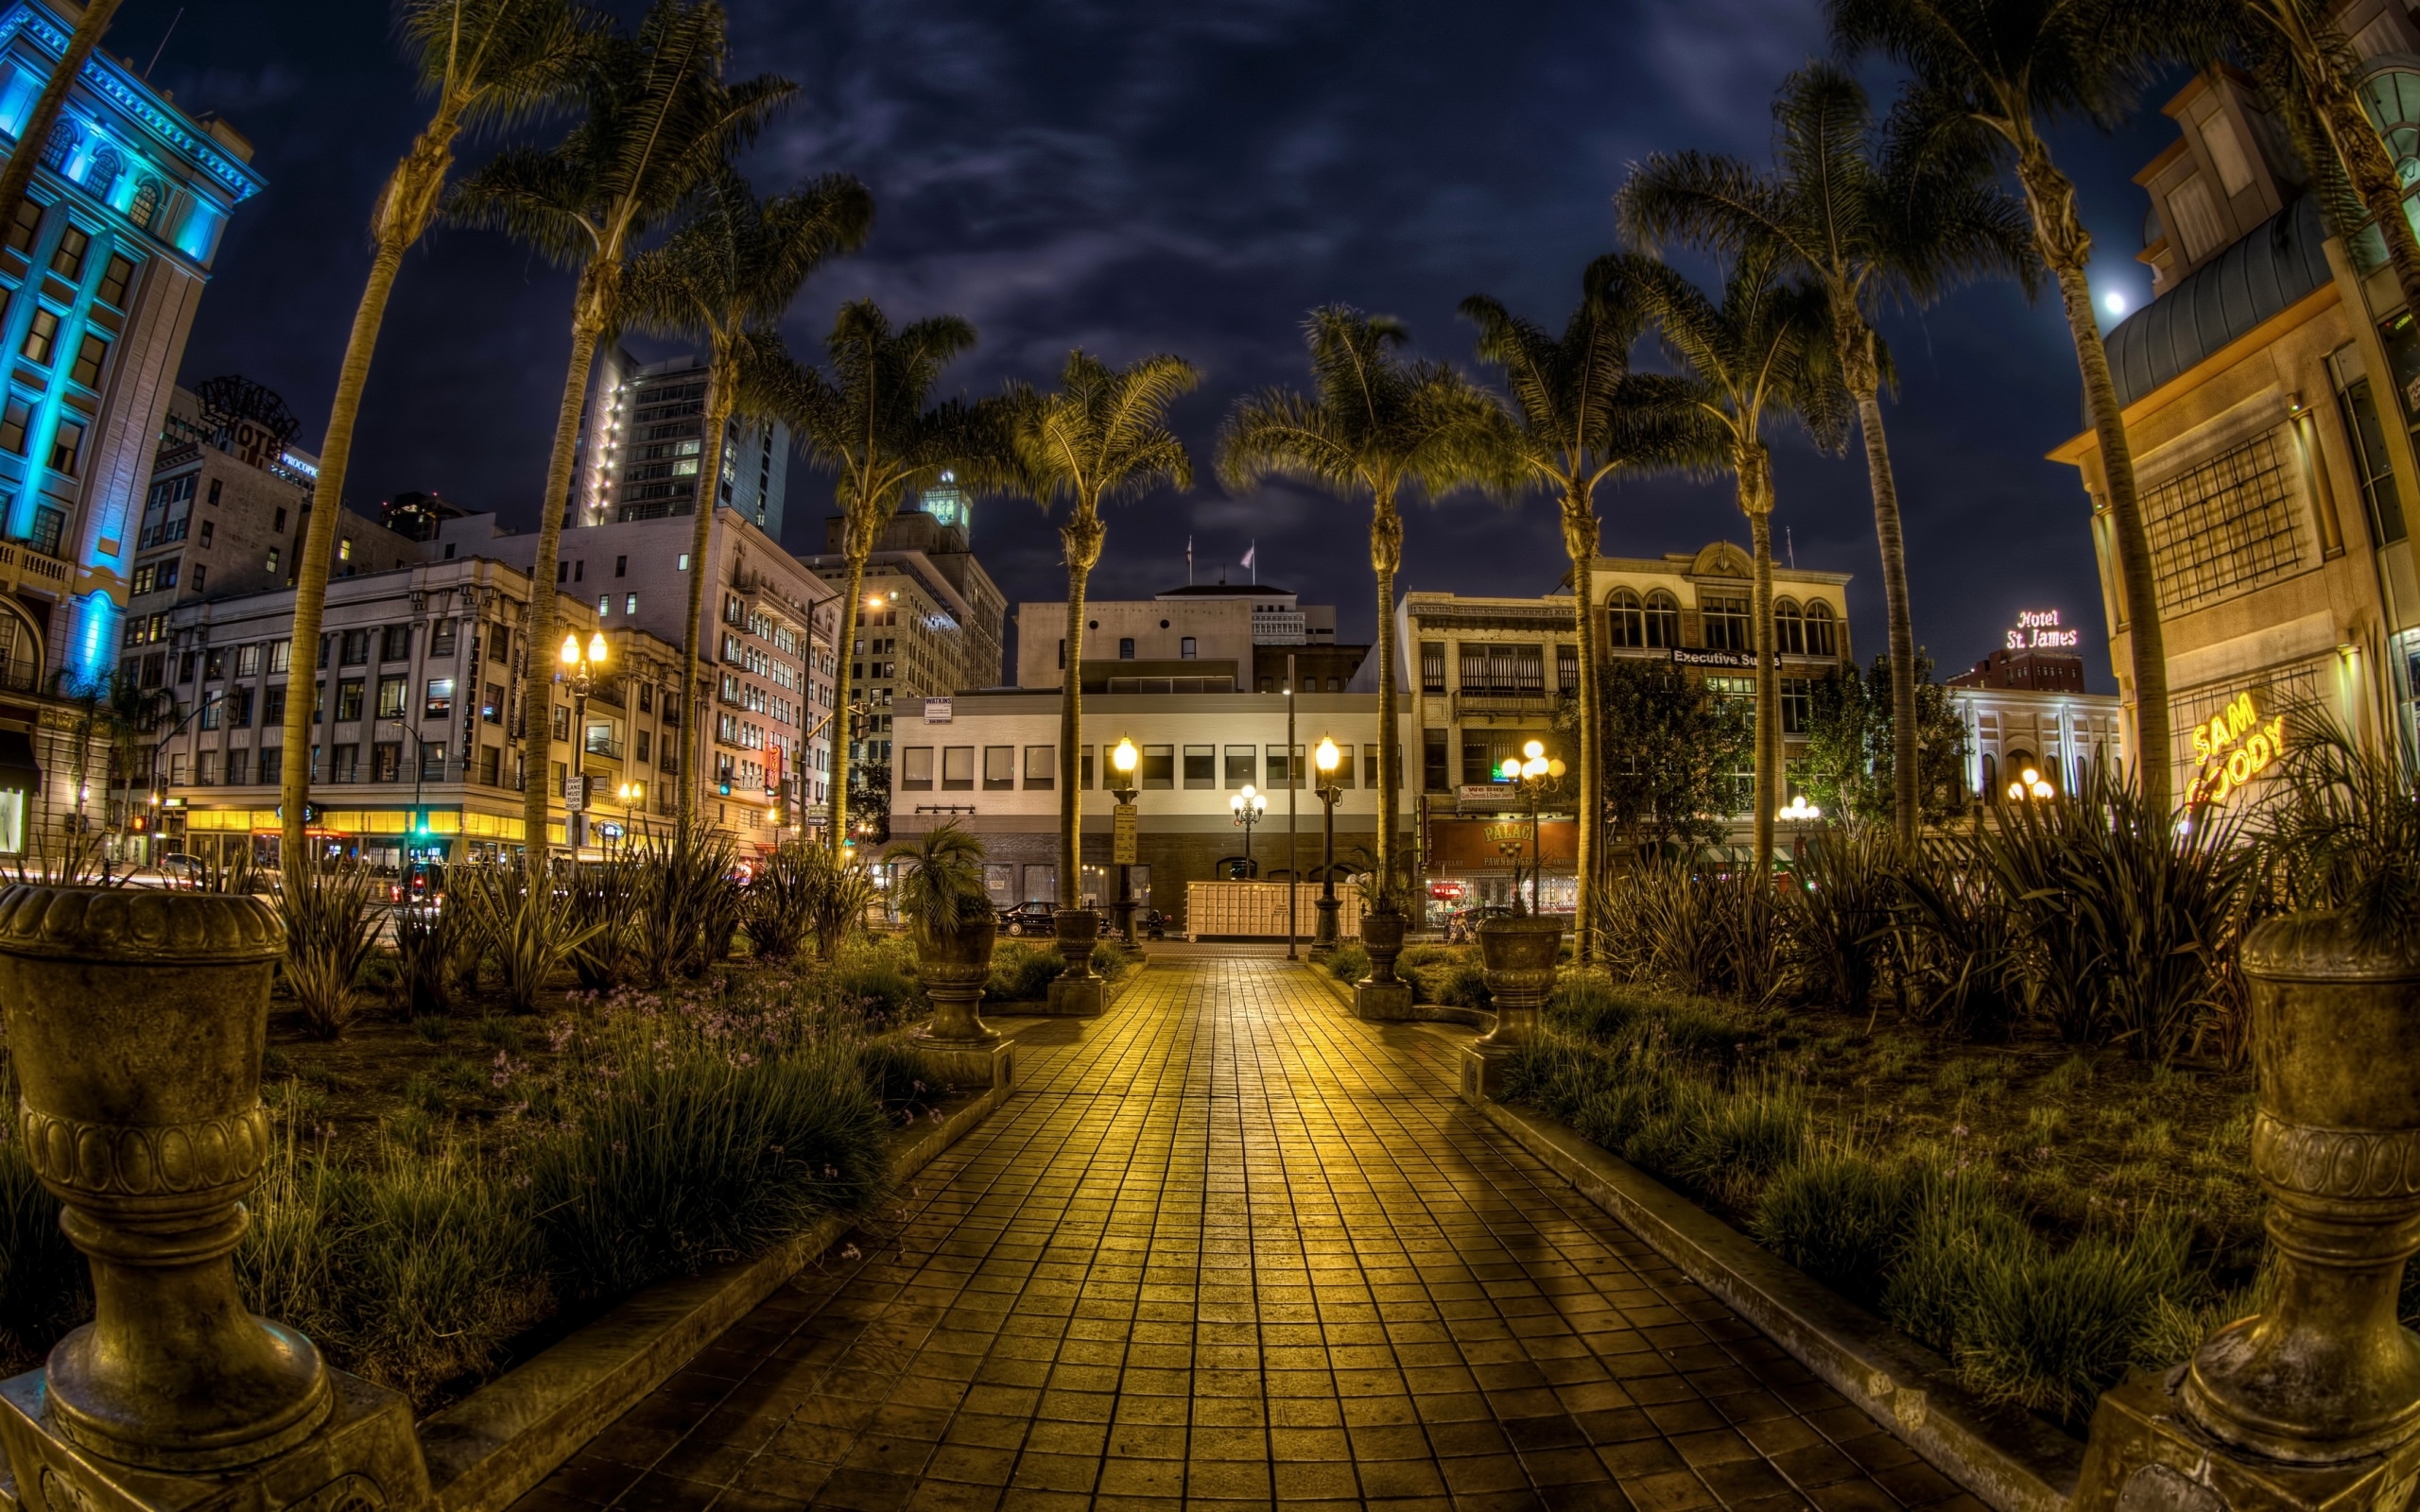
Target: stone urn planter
{"points": [[955, 971], [1382, 994], [1519, 955], [2327, 1374], [1076, 990], [137, 1020]]}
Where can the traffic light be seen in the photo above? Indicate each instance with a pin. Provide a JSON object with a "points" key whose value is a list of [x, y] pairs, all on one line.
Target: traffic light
{"points": [[723, 788]]}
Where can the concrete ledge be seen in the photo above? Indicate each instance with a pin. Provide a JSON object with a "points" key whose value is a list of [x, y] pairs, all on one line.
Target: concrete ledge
{"points": [[488, 1450], [1411, 1013], [2012, 1460]]}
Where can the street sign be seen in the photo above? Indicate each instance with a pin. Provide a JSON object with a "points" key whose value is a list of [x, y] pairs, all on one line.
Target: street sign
{"points": [[575, 791], [1122, 836]]}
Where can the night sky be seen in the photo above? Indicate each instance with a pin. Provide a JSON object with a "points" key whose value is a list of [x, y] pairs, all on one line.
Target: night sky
{"points": [[1184, 178]]}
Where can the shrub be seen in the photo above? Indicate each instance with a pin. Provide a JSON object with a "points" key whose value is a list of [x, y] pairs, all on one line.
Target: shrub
{"points": [[427, 944], [1022, 972], [1350, 963], [1462, 985], [687, 907], [329, 930], [1669, 922], [777, 907], [2052, 1329], [1589, 1006], [899, 1075], [695, 1148], [1839, 911], [1838, 1216], [525, 923], [604, 899], [1741, 1138], [1108, 963]]}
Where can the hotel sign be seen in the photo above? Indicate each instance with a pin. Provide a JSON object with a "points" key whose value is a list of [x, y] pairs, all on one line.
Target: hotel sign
{"points": [[1697, 657], [2038, 629], [2232, 747]]}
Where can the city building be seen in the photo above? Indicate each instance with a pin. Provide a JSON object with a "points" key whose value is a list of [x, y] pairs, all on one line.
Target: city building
{"points": [[2025, 709], [932, 618], [1491, 674], [765, 648], [417, 693], [228, 512], [2270, 401], [418, 513], [641, 441], [988, 761], [1200, 637], [100, 275]]}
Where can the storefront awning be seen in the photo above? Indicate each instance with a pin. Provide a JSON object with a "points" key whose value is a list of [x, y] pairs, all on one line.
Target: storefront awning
{"points": [[17, 768]]}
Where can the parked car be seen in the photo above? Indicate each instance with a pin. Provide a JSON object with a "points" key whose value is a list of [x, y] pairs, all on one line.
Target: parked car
{"points": [[179, 871], [1029, 918]]}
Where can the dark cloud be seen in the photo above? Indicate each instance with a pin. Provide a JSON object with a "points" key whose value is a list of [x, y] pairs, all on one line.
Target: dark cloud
{"points": [[1174, 177]]}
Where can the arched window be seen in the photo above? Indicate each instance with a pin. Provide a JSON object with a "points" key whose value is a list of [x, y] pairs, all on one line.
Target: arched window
{"points": [[1663, 620], [1625, 622], [1820, 640], [1991, 778], [100, 176], [2393, 99], [61, 141], [1790, 627], [146, 206]]}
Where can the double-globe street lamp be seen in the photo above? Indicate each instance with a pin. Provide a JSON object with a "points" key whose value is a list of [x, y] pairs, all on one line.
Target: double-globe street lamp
{"points": [[1123, 760], [582, 664], [1249, 807], [1535, 772], [1327, 759]]}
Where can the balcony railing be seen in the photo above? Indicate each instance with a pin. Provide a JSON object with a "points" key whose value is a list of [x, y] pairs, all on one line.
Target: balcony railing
{"points": [[600, 744], [1504, 701]]}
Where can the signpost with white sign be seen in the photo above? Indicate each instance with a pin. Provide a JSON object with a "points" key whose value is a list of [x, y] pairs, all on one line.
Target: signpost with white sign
{"points": [[1122, 836]]}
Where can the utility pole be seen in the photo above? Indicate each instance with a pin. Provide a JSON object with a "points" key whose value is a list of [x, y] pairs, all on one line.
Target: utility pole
{"points": [[1293, 801]]}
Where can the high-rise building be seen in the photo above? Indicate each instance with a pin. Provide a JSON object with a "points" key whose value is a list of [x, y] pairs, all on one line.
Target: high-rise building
{"points": [[101, 274], [931, 620], [642, 440], [228, 512]]}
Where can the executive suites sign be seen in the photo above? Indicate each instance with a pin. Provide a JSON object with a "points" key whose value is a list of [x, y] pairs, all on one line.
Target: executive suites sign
{"points": [[1498, 845]]}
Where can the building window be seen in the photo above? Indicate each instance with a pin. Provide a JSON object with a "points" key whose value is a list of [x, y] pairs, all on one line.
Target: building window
{"points": [[1041, 767], [2370, 460], [355, 648], [205, 769], [89, 357], [349, 697], [273, 767], [395, 644], [1503, 668], [604, 605], [432, 760], [491, 765], [387, 762], [1797, 705], [1125, 649], [1243, 762], [248, 661], [215, 484], [916, 769], [1662, 621], [1790, 630], [1566, 669], [116, 277], [999, 769], [1725, 617], [67, 259], [344, 546], [27, 225], [208, 529], [271, 564], [2225, 525], [440, 702], [66, 447], [1432, 666], [393, 692], [1201, 767], [1625, 619], [1279, 769], [1187, 647], [491, 704], [273, 709], [629, 603], [238, 768], [239, 709], [281, 655], [200, 575], [41, 335], [49, 525], [1434, 774], [958, 768], [561, 723], [440, 638], [1820, 638], [14, 422], [344, 764]]}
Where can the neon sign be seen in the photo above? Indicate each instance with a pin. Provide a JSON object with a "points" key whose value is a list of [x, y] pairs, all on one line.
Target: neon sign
{"points": [[2233, 748], [2038, 629]]}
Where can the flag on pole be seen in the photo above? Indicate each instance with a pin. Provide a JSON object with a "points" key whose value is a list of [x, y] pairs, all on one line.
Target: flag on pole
{"points": [[1249, 554]]}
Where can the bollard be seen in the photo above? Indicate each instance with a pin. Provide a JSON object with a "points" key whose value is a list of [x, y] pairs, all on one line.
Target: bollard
{"points": [[137, 1020], [2314, 1403]]}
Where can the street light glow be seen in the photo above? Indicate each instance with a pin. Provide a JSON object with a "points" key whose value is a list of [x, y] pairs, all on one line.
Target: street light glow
{"points": [[571, 649], [1326, 755], [1124, 757]]}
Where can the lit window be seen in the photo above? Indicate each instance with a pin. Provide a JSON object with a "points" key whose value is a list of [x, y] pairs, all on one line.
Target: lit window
{"points": [[604, 605], [115, 280], [87, 369], [68, 261], [272, 559], [14, 422], [629, 603], [344, 549], [66, 447], [28, 222], [685, 561], [42, 334]]}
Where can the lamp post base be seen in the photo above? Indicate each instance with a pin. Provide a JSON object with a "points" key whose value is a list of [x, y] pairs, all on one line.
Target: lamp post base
{"points": [[2146, 1455], [1323, 932]]}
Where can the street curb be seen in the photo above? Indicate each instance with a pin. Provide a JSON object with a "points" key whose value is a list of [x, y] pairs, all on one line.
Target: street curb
{"points": [[2012, 1460], [498, 1443]]}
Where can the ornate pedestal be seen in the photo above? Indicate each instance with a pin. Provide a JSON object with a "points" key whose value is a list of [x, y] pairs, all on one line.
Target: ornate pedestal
{"points": [[1519, 954], [1075, 992], [954, 971], [1382, 994]]}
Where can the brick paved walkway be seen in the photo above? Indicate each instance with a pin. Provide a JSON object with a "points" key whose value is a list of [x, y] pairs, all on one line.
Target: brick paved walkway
{"points": [[1231, 1246]]}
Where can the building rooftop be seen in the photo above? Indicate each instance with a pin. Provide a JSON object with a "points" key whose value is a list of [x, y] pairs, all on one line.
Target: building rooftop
{"points": [[2256, 278]]}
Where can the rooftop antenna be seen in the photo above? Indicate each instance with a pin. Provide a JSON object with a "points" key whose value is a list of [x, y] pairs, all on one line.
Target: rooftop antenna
{"points": [[163, 43]]}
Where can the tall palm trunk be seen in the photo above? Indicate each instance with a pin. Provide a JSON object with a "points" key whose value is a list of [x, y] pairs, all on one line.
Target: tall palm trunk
{"points": [[2065, 246], [1754, 466], [717, 416], [1083, 534], [403, 212], [1863, 372], [1385, 556], [592, 308], [19, 175], [859, 543], [1579, 541]]}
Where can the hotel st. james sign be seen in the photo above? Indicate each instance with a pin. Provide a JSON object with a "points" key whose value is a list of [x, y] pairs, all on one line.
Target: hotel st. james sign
{"points": [[2037, 629]]}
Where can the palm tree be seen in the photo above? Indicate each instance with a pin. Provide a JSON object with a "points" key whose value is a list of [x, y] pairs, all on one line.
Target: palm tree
{"points": [[1869, 221], [1581, 415], [868, 421], [660, 123], [1764, 351], [727, 277], [2311, 74], [35, 134], [1104, 437], [2006, 67], [489, 63], [1375, 423]]}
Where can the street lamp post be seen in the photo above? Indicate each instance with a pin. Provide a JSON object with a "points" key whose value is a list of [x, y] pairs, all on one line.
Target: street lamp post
{"points": [[1248, 807], [1123, 760], [632, 795], [1326, 760], [1535, 772], [580, 666]]}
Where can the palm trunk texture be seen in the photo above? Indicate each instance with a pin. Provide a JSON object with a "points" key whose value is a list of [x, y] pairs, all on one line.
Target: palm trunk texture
{"points": [[1385, 556], [717, 416], [2067, 247], [857, 539], [19, 175], [590, 309], [1082, 535], [403, 212], [2369, 170], [1756, 500], [1579, 541], [1859, 362]]}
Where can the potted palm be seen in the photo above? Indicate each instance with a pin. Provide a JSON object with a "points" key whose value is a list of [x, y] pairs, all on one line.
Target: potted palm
{"points": [[1386, 915], [950, 917]]}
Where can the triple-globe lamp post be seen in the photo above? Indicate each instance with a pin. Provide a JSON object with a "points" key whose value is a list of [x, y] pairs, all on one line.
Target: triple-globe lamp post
{"points": [[1249, 807], [1535, 771]]}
